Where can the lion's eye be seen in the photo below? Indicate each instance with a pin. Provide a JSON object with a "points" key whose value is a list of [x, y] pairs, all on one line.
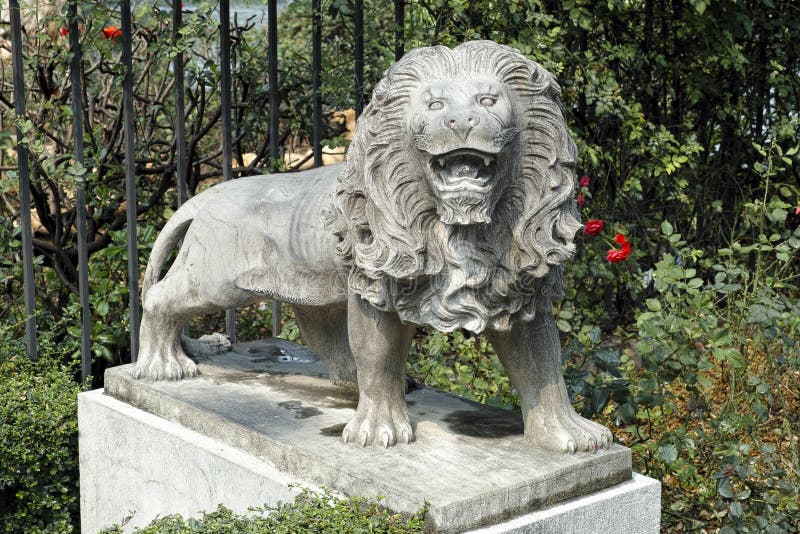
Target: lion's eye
{"points": [[436, 104], [487, 101]]}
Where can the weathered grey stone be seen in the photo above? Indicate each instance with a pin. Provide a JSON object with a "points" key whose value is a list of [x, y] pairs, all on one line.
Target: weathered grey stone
{"points": [[471, 462], [633, 507], [455, 209], [135, 464]]}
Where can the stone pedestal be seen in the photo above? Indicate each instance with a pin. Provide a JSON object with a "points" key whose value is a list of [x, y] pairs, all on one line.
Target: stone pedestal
{"points": [[246, 428]]}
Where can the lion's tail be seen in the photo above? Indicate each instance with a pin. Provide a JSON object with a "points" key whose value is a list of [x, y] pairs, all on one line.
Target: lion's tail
{"points": [[169, 237]]}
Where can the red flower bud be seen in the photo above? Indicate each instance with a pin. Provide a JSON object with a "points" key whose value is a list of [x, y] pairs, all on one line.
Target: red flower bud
{"points": [[584, 181], [581, 200], [64, 31], [593, 227], [112, 32]]}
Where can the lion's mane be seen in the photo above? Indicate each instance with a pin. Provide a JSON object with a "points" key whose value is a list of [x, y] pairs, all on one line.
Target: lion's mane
{"points": [[403, 258]]}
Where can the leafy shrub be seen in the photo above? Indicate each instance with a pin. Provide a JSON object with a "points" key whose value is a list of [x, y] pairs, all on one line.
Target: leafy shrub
{"points": [[713, 409], [461, 364], [310, 512], [38, 446]]}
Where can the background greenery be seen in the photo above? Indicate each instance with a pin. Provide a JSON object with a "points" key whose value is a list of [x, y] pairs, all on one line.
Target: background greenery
{"points": [[686, 117]]}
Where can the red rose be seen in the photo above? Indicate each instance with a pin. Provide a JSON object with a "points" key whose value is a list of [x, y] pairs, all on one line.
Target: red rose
{"points": [[593, 227], [617, 256], [64, 31], [111, 32], [581, 200], [584, 181]]}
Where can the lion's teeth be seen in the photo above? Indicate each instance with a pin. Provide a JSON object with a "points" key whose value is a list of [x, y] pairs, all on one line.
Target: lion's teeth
{"points": [[487, 161], [441, 162]]}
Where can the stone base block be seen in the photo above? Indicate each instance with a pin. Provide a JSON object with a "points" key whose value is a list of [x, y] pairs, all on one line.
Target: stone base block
{"points": [[242, 431], [633, 507], [136, 465]]}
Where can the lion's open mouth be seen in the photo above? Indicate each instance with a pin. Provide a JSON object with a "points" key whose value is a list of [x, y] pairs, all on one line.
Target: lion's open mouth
{"points": [[461, 170]]}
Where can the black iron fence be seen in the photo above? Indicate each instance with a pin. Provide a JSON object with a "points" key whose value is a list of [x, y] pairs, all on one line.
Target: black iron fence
{"points": [[19, 92]]}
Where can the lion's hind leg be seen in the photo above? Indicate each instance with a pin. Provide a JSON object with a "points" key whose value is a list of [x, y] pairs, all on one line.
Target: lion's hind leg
{"points": [[324, 331], [160, 354], [380, 344], [531, 355]]}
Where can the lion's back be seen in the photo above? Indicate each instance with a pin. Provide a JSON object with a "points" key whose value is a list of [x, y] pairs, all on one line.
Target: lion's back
{"points": [[268, 235]]}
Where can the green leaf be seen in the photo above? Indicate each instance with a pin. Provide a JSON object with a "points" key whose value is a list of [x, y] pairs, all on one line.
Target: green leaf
{"points": [[653, 305], [732, 356], [736, 509], [102, 308], [700, 6], [724, 488], [666, 228], [668, 452]]}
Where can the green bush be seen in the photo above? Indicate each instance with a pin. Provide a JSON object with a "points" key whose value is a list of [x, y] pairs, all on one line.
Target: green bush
{"points": [[310, 512], [38, 446]]}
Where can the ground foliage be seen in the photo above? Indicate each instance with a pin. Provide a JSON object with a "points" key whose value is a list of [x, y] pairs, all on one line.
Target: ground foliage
{"points": [[311, 512], [686, 117]]}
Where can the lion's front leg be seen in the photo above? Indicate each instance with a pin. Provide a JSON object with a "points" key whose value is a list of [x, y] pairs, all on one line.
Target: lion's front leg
{"points": [[380, 343], [531, 354]]}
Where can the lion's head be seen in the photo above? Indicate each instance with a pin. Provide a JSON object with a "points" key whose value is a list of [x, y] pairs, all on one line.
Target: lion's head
{"points": [[456, 208]]}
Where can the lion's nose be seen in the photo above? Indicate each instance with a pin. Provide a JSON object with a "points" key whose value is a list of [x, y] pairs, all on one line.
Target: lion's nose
{"points": [[462, 124]]}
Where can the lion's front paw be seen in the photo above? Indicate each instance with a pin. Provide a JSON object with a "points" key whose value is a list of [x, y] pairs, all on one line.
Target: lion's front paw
{"points": [[378, 424], [566, 431], [161, 368]]}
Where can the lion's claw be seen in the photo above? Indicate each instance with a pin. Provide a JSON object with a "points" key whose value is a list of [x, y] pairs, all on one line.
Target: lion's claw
{"points": [[379, 425], [567, 432], [164, 365]]}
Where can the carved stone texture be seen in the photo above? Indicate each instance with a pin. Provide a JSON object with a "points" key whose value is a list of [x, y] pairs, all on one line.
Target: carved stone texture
{"points": [[454, 210]]}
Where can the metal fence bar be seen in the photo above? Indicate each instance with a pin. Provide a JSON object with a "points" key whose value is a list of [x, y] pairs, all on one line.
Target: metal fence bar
{"points": [[24, 183], [274, 115], [399, 33], [80, 191], [130, 177], [180, 108], [272, 60], [358, 22], [180, 115], [316, 69], [227, 149]]}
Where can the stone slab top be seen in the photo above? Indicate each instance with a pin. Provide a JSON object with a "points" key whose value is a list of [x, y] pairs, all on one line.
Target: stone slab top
{"points": [[470, 463]]}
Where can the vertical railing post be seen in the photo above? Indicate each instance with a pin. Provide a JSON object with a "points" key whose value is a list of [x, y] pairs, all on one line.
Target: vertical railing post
{"points": [[274, 116], [399, 33], [180, 113], [130, 176], [227, 149], [358, 23], [80, 190], [180, 108], [24, 183], [316, 70]]}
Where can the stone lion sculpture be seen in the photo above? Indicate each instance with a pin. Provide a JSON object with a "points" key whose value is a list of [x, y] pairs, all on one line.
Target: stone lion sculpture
{"points": [[454, 209]]}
